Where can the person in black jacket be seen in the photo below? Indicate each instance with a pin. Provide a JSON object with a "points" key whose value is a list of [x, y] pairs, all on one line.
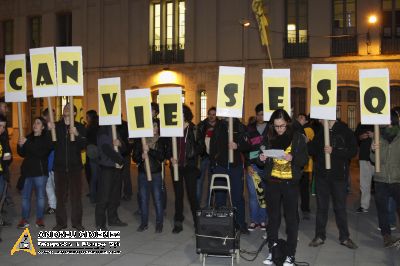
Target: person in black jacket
{"points": [[205, 130], [219, 162], [35, 149], [282, 176], [156, 150], [188, 172], [68, 170], [111, 163], [5, 158], [126, 171], [332, 182]]}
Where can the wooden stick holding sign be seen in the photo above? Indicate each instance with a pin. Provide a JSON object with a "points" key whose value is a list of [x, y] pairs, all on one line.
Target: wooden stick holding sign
{"points": [[323, 98], [175, 157], [114, 136], [230, 138], [377, 150], [375, 103], [171, 120], [140, 124], [15, 84], [71, 116], [327, 143], [21, 129], [230, 97], [147, 162], [51, 117]]}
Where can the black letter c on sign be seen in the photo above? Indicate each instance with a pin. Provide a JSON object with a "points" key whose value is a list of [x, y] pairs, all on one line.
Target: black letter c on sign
{"points": [[14, 75], [379, 94], [230, 90]]}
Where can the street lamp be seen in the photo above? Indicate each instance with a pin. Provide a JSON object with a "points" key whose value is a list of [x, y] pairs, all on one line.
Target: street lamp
{"points": [[372, 19], [245, 23]]}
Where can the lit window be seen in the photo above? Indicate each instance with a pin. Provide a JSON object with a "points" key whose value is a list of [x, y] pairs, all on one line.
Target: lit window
{"points": [[170, 26], [182, 25], [157, 27], [203, 105], [296, 13]]}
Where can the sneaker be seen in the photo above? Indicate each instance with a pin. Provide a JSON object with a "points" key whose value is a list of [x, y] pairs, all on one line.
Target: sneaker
{"points": [[50, 210], [252, 227], [316, 242], [23, 224], [361, 210], [349, 244], [289, 261], [39, 223], [142, 228], [159, 228], [59, 227], [392, 228], [268, 260], [263, 226]]}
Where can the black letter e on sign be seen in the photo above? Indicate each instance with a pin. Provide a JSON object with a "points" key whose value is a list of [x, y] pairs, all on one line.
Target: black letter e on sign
{"points": [[170, 112]]}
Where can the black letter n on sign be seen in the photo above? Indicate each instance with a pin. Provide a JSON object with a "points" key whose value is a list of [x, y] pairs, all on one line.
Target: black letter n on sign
{"points": [[139, 115], [108, 102], [69, 70], [170, 110]]}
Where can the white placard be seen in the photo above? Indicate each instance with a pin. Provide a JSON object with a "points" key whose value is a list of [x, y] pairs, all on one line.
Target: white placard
{"points": [[15, 78], [43, 58], [139, 98], [109, 99], [172, 96], [69, 71], [276, 91]]}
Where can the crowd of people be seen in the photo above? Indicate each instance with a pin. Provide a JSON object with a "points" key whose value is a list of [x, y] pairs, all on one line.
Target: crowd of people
{"points": [[53, 169]]}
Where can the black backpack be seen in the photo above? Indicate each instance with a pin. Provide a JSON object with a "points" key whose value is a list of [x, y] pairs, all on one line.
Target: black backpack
{"points": [[279, 252]]}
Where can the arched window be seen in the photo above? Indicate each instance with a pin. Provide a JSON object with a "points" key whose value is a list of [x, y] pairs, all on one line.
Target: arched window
{"points": [[203, 105]]}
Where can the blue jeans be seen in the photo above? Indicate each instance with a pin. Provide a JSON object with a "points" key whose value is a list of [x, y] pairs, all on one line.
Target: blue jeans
{"points": [[144, 191], [257, 214], [237, 187], [392, 211], [39, 183], [204, 171]]}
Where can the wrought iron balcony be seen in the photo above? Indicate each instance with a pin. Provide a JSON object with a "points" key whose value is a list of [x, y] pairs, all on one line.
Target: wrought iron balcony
{"points": [[167, 54], [344, 46], [390, 45], [294, 49]]}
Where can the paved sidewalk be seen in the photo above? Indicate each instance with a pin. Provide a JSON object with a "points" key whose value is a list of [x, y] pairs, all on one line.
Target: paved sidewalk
{"points": [[148, 248]]}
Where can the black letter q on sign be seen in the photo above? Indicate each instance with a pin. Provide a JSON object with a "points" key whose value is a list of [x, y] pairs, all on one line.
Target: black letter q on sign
{"points": [[375, 93], [230, 90]]}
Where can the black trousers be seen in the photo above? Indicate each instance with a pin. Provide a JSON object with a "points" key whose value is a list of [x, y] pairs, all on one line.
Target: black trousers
{"points": [[337, 189], [68, 185], [108, 195], [189, 178], [284, 193], [382, 193], [126, 177], [305, 192]]}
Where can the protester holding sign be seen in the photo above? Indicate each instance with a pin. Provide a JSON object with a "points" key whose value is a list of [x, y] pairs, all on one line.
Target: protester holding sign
{"points": [[387, 181], [282, 176], [332, 182], [68, 169], [111, 162], [157, 149], [35, 149], [219, 163], [255, 133], [188, 172]]}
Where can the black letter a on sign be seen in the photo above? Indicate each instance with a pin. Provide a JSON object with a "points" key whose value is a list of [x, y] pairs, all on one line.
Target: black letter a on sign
{"points": [[43, 75], [69, 70], [108, 102]]}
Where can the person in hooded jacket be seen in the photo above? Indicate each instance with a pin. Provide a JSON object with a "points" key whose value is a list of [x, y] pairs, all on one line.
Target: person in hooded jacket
{"points": [[332, 182], [35, 149], [157, 149], [387, 181], [282, 176]]}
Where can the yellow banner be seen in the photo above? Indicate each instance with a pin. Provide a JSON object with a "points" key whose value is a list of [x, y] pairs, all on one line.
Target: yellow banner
{"points": [[43, 70], [230, 95], [171, 111], [109, 100], [69, 66], [375, 96], [323, 88], [15, 76], [140, 118], [276, 94]]}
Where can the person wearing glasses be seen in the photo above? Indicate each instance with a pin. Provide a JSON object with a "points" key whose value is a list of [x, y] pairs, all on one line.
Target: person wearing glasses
{"points": [[282, 175]]}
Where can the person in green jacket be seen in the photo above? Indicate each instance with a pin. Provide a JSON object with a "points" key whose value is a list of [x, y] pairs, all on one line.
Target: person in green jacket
{"points": [[387, 181]]}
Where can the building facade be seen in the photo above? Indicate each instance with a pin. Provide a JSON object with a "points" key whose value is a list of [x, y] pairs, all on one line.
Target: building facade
{"points": [[161, 43]]}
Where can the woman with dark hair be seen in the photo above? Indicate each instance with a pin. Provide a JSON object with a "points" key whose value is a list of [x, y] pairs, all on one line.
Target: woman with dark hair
{"points": [[387, 181], [155, 150], [92, 166], [188, 172], [35, 149], [282, 176]]}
